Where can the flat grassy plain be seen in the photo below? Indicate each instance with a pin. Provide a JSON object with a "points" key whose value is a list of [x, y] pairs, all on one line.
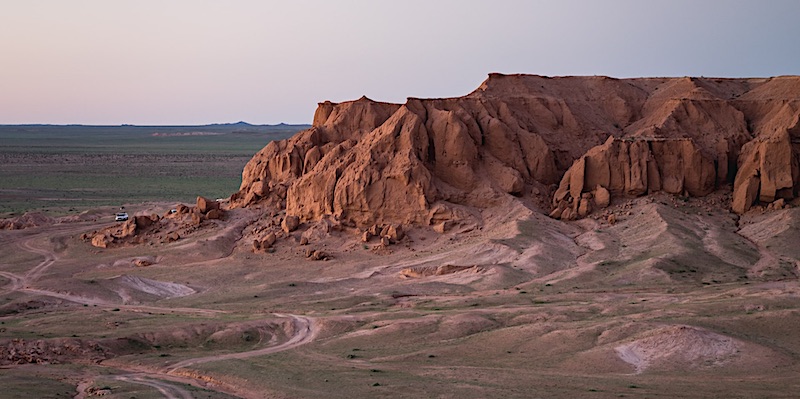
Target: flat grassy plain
{"points": [[64, 169]]}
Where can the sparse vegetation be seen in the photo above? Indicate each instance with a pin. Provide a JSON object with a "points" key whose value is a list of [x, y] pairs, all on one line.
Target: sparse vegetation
{"points": [[543, 309], [61, 169]]}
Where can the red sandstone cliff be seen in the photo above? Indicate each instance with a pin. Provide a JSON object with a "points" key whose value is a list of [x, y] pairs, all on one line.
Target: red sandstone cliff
{"points": [[420, 162]]}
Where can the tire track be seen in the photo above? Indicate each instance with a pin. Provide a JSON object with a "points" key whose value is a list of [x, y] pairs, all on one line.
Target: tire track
{"points": [[305, 328], [49, 259], [170, 391], [15, 282], [305, 331]]}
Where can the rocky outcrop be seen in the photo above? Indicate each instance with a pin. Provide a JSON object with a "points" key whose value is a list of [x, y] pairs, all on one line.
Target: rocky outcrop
{"points": [[429, 161], [443, 270], [205, 205], [631, 168], [769, 170], [51, 351], [118, 233], [178, 222], [290, 223], [264, 244], [28, 220]]}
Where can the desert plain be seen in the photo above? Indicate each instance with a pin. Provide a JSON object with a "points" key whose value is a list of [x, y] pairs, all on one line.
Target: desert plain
{"points": [[537, 238]]}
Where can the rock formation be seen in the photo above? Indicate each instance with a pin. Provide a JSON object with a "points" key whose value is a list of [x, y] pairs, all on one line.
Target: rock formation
{"points": [[634, 167], [433, 161], [769, 165], [28, 220], [118, 233], [149, 228]]}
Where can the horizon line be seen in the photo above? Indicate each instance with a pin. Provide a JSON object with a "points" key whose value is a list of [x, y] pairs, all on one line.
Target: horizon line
{"points": [[241, 123]]}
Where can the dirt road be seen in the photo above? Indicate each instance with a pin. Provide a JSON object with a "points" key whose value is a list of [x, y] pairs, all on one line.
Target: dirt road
{"points": [[305, 332], [170, 391], [304, 327]]}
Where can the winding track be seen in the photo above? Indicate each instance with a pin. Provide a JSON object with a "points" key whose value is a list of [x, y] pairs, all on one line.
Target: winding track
{"points": [[305, 328], [305, 332], [15, 282], [169, 391], [49, 259]]}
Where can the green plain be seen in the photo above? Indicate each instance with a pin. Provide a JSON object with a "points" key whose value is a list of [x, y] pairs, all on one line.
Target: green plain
{"points": [[65, 169]]}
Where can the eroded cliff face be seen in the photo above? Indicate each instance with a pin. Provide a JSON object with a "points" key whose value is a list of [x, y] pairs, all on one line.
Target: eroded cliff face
{"points": [[431, 160], [633, 167], [695, 136], [370, 162], [769, 170]]}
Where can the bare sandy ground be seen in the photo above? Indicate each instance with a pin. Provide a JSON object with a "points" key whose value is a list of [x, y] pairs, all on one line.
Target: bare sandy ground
{"points": [[672, 300]]}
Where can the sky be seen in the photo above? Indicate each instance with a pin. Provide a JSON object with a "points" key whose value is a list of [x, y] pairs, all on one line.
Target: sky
{"points": [[178, 62]]}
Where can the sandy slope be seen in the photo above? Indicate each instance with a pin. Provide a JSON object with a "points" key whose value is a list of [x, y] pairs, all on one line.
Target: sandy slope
{"points": [[672, 299]]}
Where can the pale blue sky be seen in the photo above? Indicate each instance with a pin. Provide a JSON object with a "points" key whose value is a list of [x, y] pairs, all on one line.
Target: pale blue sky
{"points": [[200, 61]]}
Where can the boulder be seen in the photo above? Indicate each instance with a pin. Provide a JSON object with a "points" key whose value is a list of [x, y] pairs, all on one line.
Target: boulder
{"points": [[127, 229], [144, 222], [602, 198], [197, 217], [269, 240], [318, 230], [265, 243], [140, 262], [290, 223], [182, 209], [102, 240], [316, 254], [214, 214], [442, 227], [584, 207], [366, 236], [204, 205], [393, 232], [374, 230], [568, 214]]}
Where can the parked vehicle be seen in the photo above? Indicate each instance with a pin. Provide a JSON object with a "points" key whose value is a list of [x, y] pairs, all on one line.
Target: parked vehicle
{"points": [[121, 217]]}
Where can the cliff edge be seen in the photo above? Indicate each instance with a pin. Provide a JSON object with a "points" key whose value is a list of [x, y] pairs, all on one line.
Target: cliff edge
{"points": [[569, 144]]}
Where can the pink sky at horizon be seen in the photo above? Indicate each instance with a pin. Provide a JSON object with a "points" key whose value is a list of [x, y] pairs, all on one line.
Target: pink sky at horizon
{"points": [[197, 62]]}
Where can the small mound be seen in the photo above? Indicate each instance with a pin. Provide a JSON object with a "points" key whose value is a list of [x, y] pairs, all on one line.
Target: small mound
{"points": [[50, 351], [157, 288], [28, 220], [138, 261], [679, 347], [428, 271], [463, 325], [774, 230]]}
